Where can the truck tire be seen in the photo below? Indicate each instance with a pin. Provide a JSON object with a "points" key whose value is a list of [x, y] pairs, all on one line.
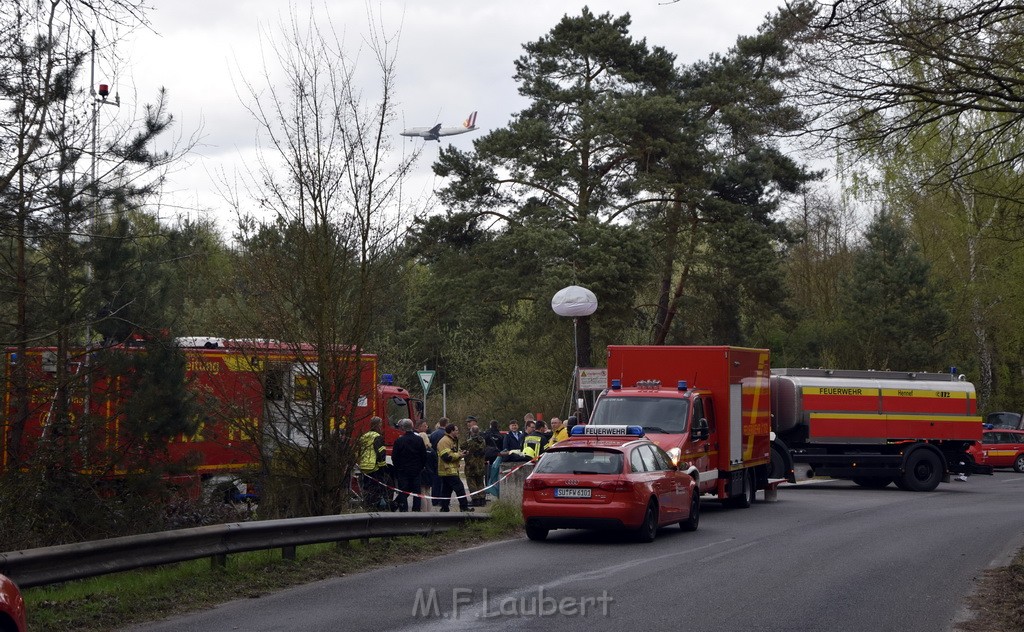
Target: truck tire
{"points": [[872, 482], [649, 529], [693, 521], [922, 471], [779, 466], [1018, 464], [744, 499]]}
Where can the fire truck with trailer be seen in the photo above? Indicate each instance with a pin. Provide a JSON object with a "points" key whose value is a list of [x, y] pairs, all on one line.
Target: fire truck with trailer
{"points": [[252, 395], [874, 427], [707, 407]]}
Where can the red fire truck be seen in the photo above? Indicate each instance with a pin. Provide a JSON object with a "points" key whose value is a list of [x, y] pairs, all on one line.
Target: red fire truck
{"points": [[708, 407], [252, 395], [874, 427]]}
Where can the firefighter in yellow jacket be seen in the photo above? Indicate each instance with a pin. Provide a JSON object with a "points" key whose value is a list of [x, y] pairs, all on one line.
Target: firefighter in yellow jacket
{"points": [[558, 432], [535, 441], [449, 457], [372, 463]]}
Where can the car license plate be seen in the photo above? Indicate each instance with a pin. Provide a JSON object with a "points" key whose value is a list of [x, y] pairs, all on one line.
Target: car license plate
{"points": [[572, 492]]}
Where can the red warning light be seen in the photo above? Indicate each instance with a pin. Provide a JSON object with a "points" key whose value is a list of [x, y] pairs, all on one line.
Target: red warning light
{"points": [[104, 89]]}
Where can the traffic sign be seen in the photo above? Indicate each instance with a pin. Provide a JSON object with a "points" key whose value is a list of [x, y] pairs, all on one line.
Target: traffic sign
{"points": [[426, 377], [593, 379]]}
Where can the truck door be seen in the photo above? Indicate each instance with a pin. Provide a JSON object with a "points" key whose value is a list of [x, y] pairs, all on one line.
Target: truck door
{"points": [[702, 449]]}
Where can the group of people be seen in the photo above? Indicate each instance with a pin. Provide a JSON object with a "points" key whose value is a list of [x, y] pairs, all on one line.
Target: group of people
{"points": [[421, 461]]}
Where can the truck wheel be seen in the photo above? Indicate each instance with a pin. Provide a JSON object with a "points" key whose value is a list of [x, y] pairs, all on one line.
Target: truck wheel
{"points": [[872, 482], [777, 467], [536, 533], [922, 471], [649, 529], [1018, 464], [745, 499], [693, 521]]}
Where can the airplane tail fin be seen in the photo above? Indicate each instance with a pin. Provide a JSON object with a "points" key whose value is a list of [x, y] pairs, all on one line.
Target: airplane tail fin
{"points": [[470, 122]]}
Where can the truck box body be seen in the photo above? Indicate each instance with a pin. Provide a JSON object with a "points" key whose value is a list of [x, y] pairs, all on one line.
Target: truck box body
{"points": [[668, 389], [251, 396]]}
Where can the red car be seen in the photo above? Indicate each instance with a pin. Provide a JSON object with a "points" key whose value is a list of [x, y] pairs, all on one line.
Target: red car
{"points": [[608, 477], [12, 607], [1000, 448]]}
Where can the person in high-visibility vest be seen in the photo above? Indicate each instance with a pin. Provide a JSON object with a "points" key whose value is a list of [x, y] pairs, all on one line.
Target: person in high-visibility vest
{"points": [[449, 457], [372, 458], [535, 442]]}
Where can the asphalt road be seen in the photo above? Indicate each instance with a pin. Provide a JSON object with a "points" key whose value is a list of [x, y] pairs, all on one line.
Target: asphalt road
{"points": [[827, 556]]}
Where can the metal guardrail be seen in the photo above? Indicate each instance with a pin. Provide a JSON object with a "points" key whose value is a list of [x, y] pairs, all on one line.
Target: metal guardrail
{"points": [[53, 564]]}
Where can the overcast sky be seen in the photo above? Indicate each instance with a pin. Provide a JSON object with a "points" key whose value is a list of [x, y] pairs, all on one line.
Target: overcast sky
{"points": [[454, 56]]}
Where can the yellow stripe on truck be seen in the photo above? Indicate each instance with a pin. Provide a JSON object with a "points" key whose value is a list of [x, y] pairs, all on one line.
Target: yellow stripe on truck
{"points": [[905, 392]]}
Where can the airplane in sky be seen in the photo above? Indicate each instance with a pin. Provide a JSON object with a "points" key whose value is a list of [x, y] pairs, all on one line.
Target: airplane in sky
{"points": [[436, 132]]}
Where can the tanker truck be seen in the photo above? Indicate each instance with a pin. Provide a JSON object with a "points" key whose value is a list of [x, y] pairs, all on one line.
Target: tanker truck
{"points": [[873, 427]]}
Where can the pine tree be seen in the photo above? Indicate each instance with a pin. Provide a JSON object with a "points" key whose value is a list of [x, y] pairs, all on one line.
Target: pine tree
{"points": [[893, 313], [560, 174]]}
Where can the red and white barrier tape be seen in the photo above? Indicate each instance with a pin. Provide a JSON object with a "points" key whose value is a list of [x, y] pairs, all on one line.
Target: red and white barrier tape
{"points": [[469, 495]]}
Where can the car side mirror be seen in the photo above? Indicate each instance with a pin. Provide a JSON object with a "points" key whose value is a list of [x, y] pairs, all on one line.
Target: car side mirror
{"points": [[700, 431]]}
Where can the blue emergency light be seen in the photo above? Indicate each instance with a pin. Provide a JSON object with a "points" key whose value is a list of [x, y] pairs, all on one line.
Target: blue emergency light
{"points": [[607, 431], [681, 386], [387, 379], [616, 385]]}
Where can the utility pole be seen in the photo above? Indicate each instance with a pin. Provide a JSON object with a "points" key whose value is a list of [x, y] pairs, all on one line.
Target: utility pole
{"points": [[97, 101]]}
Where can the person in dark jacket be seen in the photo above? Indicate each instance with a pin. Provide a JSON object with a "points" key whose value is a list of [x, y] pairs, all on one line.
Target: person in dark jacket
{"points": [[514, 438], [494, 441], [408, 456]]}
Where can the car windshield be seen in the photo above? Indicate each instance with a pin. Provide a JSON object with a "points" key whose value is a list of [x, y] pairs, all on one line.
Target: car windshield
{"points": [[655, 414], [1004, 420], [580, 462]]}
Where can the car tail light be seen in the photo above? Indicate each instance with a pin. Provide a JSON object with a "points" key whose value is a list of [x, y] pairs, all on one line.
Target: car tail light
{"points": [[616, 486], [533, 484]]}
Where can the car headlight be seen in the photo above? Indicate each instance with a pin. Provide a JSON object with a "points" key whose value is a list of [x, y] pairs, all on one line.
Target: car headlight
{"points": [[674, 454]]}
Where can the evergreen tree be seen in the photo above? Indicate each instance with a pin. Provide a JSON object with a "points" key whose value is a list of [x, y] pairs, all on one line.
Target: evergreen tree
{"points": [[893, 314], [714, 155], [559, 175]]}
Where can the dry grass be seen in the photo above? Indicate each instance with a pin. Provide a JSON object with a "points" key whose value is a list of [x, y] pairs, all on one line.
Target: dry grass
{"points": [[998, 603]]}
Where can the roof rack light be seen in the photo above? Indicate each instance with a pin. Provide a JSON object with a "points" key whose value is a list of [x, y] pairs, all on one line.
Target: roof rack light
{"points": [[607, 431]]}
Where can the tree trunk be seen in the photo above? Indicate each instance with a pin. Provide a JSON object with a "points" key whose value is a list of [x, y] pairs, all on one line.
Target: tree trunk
{"points": [[684, 274]]}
